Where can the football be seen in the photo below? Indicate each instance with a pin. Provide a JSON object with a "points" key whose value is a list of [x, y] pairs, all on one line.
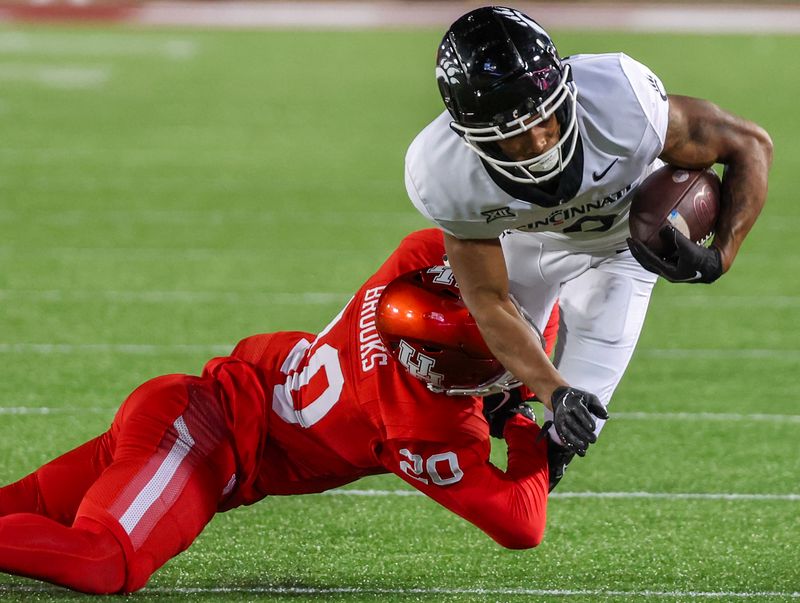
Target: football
{"points": [[685, 199]]}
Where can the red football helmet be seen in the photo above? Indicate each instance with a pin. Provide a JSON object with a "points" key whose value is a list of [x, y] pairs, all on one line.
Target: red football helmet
{"points": [[425, 324]]}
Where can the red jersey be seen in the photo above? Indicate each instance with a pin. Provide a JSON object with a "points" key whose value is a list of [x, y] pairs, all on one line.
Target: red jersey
{"points": [[338, 407]]}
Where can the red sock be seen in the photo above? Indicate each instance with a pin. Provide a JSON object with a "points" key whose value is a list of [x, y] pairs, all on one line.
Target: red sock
{"points": [[85, 557]]}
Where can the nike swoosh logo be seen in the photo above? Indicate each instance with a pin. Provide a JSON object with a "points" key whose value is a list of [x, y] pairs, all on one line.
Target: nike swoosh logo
{"points": [[596, 176], [697, 275]]}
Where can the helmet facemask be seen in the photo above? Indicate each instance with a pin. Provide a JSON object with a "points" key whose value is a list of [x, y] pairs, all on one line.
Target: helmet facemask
{"points": [[541, 168]]}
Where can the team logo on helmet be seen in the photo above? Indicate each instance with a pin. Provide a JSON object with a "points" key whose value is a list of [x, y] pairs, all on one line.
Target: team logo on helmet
{"points": [[418, 364], [447, 69]]}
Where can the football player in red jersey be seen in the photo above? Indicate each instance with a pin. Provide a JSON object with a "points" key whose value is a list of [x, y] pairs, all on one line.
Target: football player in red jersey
{"points": [[288, 413]]}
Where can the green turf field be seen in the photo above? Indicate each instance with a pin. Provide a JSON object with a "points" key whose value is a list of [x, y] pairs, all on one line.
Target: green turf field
{"points": [[165, 193]]}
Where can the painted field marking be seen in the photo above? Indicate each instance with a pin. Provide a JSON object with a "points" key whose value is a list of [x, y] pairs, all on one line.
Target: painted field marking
{"points": [[94, 44], [705, 416], [509, 591], [48, 410], [630, 416], [788, 302], [134, 349], [598, 495], [790, 355], [196, 254], [145, 349], [309, 298], [57, 76], [70, 408], [78, 217]]}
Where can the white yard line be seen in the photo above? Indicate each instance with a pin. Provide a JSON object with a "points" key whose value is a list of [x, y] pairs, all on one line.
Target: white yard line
{"points": [[599, 495], [788, 302], [522, 592], [711, 301], [86, 217], [705, 416], [722, 417], [177, 253], [144, 349], [94, 44], [50, 410], [57, 76], [789, 355], [309, 298], [681, 595], [134, 349], [699, 417]]}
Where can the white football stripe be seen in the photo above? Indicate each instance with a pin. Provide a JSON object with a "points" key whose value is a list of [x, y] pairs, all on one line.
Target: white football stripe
{"points": [[705, 416], [125, 217], [624, 416], [161, 297], [531, 592], [134, 349], [600, 495], [771, 354], [373, 593], [93, 44], [57, 76], [158, 483]]}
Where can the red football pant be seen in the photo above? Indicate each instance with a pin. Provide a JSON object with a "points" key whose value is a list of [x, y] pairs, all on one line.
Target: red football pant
{"points": [[103, 517]]}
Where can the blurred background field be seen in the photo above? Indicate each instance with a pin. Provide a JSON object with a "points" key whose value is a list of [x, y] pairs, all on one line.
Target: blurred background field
{"points": [[168, 191]]}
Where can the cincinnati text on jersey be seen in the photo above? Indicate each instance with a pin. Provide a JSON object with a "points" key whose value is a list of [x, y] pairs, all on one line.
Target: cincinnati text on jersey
{"points": [[565, 214]]}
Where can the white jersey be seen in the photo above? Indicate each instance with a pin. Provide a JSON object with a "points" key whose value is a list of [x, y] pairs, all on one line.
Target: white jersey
{"points": [[622, 112]]}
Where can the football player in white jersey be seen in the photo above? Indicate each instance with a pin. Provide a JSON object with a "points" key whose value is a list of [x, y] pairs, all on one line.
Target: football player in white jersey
{"points": [[530, 173]]}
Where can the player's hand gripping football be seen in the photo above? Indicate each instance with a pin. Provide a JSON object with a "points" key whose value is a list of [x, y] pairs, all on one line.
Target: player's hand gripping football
{"points": [[497, 408], [574, 413], [685, 261]]}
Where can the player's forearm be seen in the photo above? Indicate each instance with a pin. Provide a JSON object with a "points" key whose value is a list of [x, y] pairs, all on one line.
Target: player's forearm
{"points": [[701, 134], [480, 269], [744, 192], [514, 343]]}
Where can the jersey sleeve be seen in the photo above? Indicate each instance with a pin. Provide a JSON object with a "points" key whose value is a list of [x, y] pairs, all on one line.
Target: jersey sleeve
{"points": [[443, 180], [652, 98], [508, 506]]}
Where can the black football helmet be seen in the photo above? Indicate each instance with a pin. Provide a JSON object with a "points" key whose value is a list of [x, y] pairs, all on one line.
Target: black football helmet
{"points": [[499, 75]]}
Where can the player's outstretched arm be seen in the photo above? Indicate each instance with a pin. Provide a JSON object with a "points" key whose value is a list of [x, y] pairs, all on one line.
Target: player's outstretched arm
{"points": [[701, 134], [480, 269], [509, 506]]}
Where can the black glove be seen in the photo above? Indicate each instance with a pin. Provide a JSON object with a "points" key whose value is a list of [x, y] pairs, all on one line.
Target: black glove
{"points": [[573, 417], [684, 261], [497, 408]]}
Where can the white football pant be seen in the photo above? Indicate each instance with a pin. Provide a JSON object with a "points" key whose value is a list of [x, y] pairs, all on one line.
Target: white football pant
{"points": [[603, 297]]}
